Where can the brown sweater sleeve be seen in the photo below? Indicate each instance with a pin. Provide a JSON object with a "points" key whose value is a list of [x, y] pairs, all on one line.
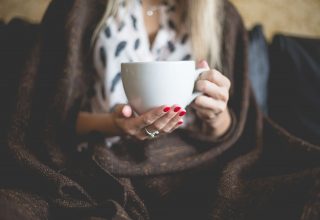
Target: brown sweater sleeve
{"points": [[234, 60]]}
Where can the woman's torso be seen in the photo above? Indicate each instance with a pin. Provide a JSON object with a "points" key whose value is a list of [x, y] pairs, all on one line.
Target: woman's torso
{"points": [[125, 39]]}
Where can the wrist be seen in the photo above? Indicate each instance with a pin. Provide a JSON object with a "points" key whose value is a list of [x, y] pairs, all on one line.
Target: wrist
{"points": [[103, 124], [97, 122]]}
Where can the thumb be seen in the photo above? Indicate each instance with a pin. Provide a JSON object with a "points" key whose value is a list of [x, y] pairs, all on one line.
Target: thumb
{"points": [[203, 64], [122, 110]]}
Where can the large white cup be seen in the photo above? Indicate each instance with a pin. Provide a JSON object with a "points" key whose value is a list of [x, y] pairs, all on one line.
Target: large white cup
{"points": [[151, 84]]}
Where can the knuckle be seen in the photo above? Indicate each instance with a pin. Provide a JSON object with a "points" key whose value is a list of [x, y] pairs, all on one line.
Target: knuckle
{"points": [[212, 115], [158, 126], [117, 108], [204, 75], [198, 100], [228, 83], [200, 114], [227, 94], [216, 72], [155, 115], [203, 85], [212, 74], [131, 132], [139, 137], [166, 129], [199, 84], [223, 96], [221, 107], [206, 85], [147, 120], [208, 115], [226, 98], [224, 105]]}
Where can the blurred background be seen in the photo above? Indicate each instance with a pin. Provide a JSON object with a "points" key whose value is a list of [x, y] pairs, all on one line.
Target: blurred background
{"points": [[288, 16]]}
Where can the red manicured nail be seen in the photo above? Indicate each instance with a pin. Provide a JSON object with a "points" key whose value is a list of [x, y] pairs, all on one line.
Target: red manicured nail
{"points": [[180, 122], [166, 109], [176, 109], [182, 113]]}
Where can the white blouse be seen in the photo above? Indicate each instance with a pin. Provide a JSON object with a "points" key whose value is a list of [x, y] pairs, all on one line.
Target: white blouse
{"points": [[124, 39]]}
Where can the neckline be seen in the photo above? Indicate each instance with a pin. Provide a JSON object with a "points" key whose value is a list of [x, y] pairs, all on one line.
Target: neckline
{"points": [[161, 33]]}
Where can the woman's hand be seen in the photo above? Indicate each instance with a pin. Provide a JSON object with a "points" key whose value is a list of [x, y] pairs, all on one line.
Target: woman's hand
{"points": [[212, 106], [163, 119]]}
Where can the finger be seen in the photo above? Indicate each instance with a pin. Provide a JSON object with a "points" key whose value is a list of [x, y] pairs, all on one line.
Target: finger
{"points": [[117, 110], [206, 102], [176, 126], [162, 122], [127, 111], [216, 77], [151, 116], [174, 121], [212, 90], [206, 114], [141, 135], [203, 64]]}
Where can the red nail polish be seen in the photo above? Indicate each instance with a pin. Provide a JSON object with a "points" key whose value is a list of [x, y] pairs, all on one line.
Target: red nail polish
{"points": [[176, 109], [180, 122], [182, 113], [166, 109]]}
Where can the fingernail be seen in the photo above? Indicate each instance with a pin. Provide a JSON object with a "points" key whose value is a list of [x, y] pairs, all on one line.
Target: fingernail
{"points": [[180, 122], [176, 109], [182, 113], [166, 109]]}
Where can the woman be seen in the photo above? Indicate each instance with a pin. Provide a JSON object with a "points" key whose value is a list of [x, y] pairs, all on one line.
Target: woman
{"points": [[227, 162], [158, 30]]}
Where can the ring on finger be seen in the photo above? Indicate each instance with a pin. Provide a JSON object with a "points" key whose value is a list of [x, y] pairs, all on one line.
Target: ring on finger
{"points": [[150, 134]]}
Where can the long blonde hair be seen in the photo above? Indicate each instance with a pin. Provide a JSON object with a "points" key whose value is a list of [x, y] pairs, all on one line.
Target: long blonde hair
{"points": [[204, 19]]}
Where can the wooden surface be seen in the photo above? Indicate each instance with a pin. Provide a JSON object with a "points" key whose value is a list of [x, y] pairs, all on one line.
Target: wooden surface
{"points": [[287, 16]]}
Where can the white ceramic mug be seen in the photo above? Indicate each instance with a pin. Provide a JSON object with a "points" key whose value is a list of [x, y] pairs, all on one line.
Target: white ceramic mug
{"points": [[151, 84]]}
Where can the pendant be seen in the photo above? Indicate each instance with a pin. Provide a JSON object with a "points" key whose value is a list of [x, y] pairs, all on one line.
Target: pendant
{"points": [[150, 13]]}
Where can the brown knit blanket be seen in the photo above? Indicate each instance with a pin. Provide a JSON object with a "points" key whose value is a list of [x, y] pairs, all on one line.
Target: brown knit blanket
{"points": [[256, 171]]}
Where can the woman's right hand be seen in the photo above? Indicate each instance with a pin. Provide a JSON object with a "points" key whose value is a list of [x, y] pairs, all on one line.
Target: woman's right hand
{"points": [[164, 119]]}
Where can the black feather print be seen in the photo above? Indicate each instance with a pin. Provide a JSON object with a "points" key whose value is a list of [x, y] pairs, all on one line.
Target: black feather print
{"points": [[103, 58], [134, 22], [115, 81], [121, 26], [171, 24], [103, 92], [107, 32], [171, 46], [184, 39], [187, 57], [120, 48], [136, 44]]}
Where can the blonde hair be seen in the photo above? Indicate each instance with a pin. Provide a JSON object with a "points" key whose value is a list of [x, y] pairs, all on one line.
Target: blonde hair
{"points": [[204, 19]]}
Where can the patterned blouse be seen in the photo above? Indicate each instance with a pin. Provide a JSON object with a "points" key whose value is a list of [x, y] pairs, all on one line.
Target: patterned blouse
{"points": [[124, 39]]}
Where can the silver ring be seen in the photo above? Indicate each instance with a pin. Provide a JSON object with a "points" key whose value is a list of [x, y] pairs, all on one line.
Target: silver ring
{"points": [[151, 134]]}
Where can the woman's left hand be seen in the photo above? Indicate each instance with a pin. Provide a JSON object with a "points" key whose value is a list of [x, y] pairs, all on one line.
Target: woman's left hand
{"points": [[212, 105]]}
